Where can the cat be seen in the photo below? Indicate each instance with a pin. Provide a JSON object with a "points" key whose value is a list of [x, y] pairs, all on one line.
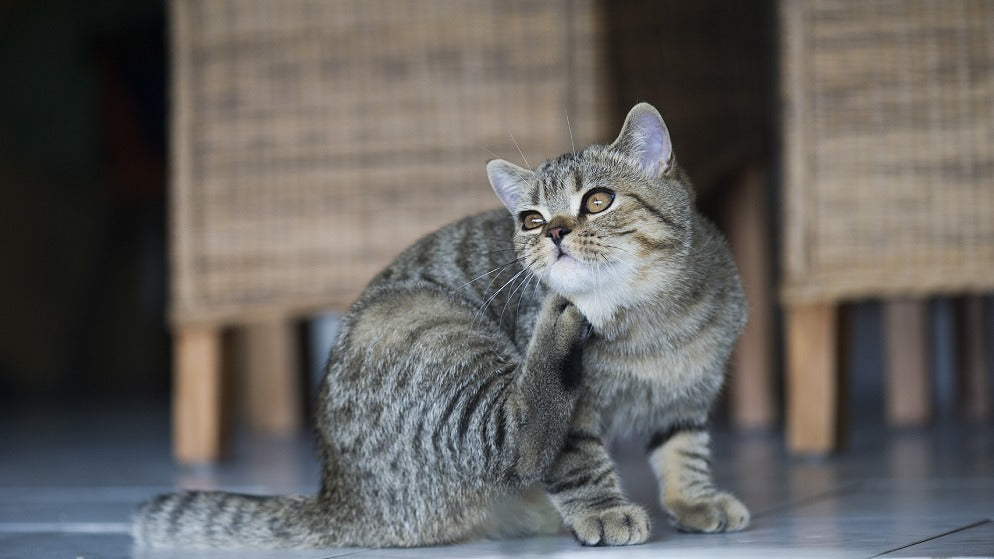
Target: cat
{"points": [[473, 383]]}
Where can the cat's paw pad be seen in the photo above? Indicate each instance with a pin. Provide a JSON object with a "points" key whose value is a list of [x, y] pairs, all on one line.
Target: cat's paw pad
{"points": [[624, 525], [720, 513]]}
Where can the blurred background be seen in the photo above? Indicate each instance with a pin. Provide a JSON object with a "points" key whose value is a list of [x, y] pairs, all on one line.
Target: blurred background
{"points": [[203, 186], [83, 166]]}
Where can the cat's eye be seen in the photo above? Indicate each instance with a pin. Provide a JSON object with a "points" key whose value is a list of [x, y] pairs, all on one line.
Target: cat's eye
{"points": [[531, 220], [597, 201]]}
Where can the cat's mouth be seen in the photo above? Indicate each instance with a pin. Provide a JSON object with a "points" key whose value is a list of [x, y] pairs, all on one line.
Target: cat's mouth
{"points": [[564, 256]]}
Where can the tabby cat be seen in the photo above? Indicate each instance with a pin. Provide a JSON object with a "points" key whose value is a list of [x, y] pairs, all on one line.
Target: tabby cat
{"points": [[473, 383]]}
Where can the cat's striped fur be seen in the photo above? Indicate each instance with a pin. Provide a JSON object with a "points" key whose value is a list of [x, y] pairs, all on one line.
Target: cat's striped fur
{"points": [[473, 383]]}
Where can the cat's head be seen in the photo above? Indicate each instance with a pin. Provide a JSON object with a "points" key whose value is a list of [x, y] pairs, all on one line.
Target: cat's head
{"points": [[607, 226]]}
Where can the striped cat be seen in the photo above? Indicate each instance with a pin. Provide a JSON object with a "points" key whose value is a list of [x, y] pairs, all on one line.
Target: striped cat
{"points": [[473, 383]]}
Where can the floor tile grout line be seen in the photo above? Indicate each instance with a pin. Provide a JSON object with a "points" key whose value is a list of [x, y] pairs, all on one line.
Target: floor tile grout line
{"points": [[809, 500], [935, 537]]}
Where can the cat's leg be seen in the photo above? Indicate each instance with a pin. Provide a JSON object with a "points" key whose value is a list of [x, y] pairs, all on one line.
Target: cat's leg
{"points": [[680, 455], [585, 488]]}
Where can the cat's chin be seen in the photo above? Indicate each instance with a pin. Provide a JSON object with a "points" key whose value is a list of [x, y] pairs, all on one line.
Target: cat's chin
{"points": [[568, 275], [596, 291]]}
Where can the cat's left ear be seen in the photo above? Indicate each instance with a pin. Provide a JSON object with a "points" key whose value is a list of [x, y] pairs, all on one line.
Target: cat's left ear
{"points": [[510, 182], [644, 137]]}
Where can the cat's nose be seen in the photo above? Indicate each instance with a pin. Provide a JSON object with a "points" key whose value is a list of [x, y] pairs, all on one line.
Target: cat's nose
{"points": [[557, 233]]}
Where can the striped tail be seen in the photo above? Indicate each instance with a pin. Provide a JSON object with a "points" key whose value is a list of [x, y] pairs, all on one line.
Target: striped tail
{"points": [[212, 519]]}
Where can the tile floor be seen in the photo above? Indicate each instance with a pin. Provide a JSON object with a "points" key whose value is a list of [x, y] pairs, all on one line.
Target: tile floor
{"points": [[71, 474]]}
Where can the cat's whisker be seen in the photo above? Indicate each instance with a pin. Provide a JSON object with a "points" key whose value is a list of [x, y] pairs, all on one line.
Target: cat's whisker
{"points": [[570, 128], [619, 248], [511, 242], [633, 267], [511, 296], [602, 259], [499, 250], [519, 150], [493, 280], [517, 309], [490, 299], [485, 274], [607, 256], [503, 241], [501, 288], [624, 262]]}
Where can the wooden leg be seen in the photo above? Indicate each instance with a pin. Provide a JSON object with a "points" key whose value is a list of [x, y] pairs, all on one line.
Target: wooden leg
{"points": [[974, 375], [753, 402], [812, 381], [269, 374], [197, 409], [907, 361]]}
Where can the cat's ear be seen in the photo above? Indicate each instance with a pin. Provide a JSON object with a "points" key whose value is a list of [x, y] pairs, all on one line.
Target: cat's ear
{"points": [[644, 137], [509, 181]]}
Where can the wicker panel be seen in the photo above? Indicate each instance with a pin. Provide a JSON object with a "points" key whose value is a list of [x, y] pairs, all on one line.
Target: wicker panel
{"points": [[889, 147], [314, 140]]}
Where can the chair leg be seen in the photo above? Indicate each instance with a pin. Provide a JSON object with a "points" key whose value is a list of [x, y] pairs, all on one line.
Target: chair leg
{"points": [[974, 374], [269, 372], [908, 384], [753, 402], [812, 378], [197, 402]]}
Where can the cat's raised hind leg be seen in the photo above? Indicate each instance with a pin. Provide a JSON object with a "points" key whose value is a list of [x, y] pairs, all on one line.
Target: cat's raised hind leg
{"points": [[541, 401], [681, 458]]}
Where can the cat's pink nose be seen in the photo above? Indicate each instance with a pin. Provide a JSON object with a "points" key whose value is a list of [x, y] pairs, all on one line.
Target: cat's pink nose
{"points": [[557, 233]]}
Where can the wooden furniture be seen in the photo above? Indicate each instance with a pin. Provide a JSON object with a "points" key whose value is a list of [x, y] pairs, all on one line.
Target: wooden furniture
{"points": [[888, 139], [312, 142]]}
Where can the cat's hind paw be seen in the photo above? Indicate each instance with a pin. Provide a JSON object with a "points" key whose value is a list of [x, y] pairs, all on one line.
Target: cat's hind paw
{"points": [[622, 525], [720, 513]]}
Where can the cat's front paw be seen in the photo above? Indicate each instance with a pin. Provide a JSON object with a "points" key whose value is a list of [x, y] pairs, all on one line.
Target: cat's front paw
{"points": [[622, 525], [572, 323], [719, 513]]}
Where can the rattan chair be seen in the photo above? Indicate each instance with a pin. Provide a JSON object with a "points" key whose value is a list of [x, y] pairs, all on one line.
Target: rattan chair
{"points": [[888, 137]]}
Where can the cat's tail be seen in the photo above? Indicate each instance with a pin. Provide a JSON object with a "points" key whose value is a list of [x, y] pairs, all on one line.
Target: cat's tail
{"points": [[212, 519]]}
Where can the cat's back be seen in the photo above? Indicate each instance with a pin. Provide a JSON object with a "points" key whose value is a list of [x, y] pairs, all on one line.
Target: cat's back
{"points": [[469, 262], [448, 255]]}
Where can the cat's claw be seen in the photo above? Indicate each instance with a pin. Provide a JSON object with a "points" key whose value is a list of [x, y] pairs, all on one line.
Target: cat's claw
{"points": [[623, 525], [720, 513]]}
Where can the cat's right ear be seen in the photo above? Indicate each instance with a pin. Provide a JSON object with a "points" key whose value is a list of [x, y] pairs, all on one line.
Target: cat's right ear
{"points": [[644, 138], [509, 182]]}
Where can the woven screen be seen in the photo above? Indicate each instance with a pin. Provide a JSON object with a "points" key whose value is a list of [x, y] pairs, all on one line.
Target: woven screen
{"points": [[889, 147]]}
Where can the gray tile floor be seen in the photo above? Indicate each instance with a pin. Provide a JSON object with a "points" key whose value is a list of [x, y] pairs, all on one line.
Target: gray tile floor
{"points": [[71, 474]]}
